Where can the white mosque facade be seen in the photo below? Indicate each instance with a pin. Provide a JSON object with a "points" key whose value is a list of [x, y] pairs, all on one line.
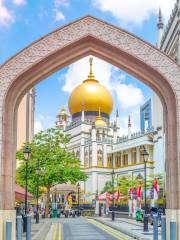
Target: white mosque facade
{"points": [[99, 144]]}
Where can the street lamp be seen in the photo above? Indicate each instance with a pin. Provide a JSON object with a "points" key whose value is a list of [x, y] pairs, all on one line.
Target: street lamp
{"points": [[55, 199], [38, 171], [78, 185], [113, 213], [145, 157], [27, 153]]}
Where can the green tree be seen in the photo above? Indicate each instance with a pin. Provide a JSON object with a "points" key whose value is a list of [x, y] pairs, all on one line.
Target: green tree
{"points": [[57, 164]]}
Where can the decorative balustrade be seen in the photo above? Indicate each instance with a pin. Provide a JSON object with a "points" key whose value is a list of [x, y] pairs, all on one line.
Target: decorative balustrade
{"points": [[135, 135]]}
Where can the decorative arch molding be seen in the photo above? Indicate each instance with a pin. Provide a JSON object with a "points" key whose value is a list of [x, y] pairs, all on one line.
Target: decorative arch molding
{"points": [[80, 38]]}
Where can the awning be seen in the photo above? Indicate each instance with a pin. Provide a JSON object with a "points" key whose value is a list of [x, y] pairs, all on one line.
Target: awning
{"points": [[20, 193]]}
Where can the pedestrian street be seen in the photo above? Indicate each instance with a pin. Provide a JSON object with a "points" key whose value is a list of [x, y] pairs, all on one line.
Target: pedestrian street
{"points": [[80, 229]]}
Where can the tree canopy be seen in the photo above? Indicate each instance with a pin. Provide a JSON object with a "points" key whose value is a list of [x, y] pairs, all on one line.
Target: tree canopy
{"points": [[57, 164]]}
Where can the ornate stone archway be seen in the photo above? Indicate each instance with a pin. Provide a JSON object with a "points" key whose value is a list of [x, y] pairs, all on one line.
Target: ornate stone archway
{"points": [[85, 36]]}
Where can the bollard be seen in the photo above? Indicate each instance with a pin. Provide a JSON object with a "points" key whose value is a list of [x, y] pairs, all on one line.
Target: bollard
{"points": [[113, 215], [8, 230], [173, 229], [19, 227], [28, 233], [146, 227], [163, 227], [155, 227], [24, 223]]}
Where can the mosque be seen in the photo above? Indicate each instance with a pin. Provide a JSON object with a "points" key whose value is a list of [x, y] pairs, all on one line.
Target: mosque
{"points": [[98, 142]]}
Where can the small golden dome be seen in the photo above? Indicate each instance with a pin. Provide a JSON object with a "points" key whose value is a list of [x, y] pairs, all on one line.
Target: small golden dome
{"points": [[62, 111], [91, 95], [99, 121]]}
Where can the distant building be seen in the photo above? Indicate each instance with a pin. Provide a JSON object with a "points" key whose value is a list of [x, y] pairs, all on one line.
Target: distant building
{"points": [[168, 36], [146, 111], [151, 117], [25, 119]]}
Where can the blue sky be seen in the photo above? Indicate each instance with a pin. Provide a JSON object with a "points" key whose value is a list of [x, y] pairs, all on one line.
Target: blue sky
{"points": [[24, 21]]}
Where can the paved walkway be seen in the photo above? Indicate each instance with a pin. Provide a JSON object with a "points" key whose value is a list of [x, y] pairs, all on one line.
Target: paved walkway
{"points": [[74, 229], [84, 229], [96, 228], [40, 230], [129, 227]]}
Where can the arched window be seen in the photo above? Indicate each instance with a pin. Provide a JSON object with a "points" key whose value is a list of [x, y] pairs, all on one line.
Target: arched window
{"points": [[100, 158]]}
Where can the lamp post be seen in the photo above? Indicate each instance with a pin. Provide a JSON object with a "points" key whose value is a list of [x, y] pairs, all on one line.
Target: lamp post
{"points": [[38, 170], [145, 157], [55, 199], [113, 213], [27, 153], [78, 185]]}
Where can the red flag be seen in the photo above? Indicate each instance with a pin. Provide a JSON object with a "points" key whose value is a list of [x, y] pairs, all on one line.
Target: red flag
{"points": [[118, 195], [138, 192], [156, 189]]}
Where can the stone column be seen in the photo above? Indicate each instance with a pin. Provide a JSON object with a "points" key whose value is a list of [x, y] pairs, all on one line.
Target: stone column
{"points": [[113, 160], [82, 149], [129, 157], [137, 155], [94, 182], [122, 159], [94, 147]]}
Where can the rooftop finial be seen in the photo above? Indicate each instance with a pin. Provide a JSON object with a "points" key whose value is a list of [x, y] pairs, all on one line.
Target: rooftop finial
{"points": [[91, 76], [117, 113], [99, 112], [82, 105]]}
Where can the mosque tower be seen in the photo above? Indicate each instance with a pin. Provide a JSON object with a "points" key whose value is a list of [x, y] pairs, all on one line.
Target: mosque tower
{"points": [[160, 26], [62, 119]]}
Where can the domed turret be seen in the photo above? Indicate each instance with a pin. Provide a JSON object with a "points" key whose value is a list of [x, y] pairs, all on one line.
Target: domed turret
{"points": [[100, 123], [92, 96]]}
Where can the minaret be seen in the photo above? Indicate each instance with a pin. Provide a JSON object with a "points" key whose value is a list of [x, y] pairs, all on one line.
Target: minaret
{"points": [[129, 127], [62, 119], [117, 119], [160, 26]]}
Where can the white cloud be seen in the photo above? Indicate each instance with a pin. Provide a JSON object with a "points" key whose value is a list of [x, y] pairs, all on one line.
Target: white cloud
{"points": [[128, 95], [6, 16], [19, 2], [58, 3], [43, 122], [38, 126], [134, 12], [59, 16], [78, 71]]}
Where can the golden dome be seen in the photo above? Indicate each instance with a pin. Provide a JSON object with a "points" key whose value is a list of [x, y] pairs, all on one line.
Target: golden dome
{"points": [[90, 95]]}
